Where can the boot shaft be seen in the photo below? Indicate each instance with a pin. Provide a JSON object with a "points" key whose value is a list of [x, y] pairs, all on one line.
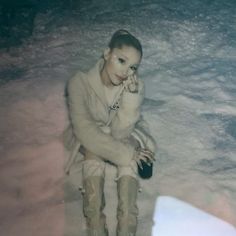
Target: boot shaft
{"points": [[93, 204], [127, 211]]}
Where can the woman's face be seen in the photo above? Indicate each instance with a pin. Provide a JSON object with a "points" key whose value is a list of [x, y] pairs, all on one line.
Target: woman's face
{"points": [[120, 63]]}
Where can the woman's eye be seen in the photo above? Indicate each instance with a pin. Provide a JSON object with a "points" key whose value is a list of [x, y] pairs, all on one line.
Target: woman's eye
{"points": [[133, 68], [121, 60]]}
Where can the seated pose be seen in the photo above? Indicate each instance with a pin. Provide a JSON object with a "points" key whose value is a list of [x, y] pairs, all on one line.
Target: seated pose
{"points": [[104, 109]]}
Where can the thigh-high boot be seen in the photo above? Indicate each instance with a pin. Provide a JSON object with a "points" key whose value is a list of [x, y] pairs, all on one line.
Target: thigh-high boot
{"points": [[94, 203], [127, 211]]}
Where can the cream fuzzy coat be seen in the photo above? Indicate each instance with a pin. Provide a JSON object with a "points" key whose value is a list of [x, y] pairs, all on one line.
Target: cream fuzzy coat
{"points": [[90, 114]]}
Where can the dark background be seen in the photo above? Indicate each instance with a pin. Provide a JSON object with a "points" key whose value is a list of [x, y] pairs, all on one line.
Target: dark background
{"points": [[17, 17]]}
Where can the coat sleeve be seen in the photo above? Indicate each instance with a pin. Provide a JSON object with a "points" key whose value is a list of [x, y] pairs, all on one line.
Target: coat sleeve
{"points": [[142, 129], [128, 114], [88, 133]]}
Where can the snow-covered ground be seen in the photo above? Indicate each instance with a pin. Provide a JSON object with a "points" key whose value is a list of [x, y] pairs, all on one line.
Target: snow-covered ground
{"points": [[190, 76]]}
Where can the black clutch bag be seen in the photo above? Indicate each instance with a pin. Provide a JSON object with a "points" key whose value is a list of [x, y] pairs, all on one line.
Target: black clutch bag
{"points": [[146, 171]]}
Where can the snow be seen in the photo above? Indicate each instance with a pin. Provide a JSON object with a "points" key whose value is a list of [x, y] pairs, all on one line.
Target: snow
{"points": [[189, 73], [173, 217]]}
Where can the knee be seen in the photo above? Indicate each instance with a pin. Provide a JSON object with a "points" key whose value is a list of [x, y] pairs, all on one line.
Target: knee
{"points": [[130, 171], [93, 167]]}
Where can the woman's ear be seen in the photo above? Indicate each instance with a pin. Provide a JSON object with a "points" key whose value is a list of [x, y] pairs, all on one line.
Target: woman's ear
{"points": [[106, 53]]}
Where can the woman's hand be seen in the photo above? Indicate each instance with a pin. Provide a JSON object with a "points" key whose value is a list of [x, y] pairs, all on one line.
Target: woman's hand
{"points": [[131, 84], [144, 155]]}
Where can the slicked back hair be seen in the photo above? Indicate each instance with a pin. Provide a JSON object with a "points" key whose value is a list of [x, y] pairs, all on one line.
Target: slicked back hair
{"points": [[125, 38]]}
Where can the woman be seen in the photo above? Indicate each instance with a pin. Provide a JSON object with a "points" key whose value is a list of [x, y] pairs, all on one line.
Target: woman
{"points": [[104, 108]]}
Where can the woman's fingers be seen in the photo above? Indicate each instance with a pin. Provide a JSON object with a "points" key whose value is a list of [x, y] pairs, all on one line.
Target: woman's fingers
{"points": [[143, 158], [147, 155], [133, 83], [139, 163]]}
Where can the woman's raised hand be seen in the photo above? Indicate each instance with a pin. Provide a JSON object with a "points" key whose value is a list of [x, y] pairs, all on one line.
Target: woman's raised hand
{"points": [[131, 84]]}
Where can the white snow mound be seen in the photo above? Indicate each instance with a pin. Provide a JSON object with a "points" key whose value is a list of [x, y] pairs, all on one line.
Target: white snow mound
{"points": [[173, 217]]}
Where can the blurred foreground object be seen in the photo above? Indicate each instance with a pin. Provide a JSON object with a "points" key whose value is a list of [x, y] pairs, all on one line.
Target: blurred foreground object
{"points": [[173, 217]]}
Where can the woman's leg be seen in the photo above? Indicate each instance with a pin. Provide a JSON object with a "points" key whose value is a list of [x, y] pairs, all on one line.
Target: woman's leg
{"points": [[127, 212], [93, 197]]}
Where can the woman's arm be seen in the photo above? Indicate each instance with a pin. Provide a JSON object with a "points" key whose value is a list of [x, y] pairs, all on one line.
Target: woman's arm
{"points": [[128, 114], [143, 133]]}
